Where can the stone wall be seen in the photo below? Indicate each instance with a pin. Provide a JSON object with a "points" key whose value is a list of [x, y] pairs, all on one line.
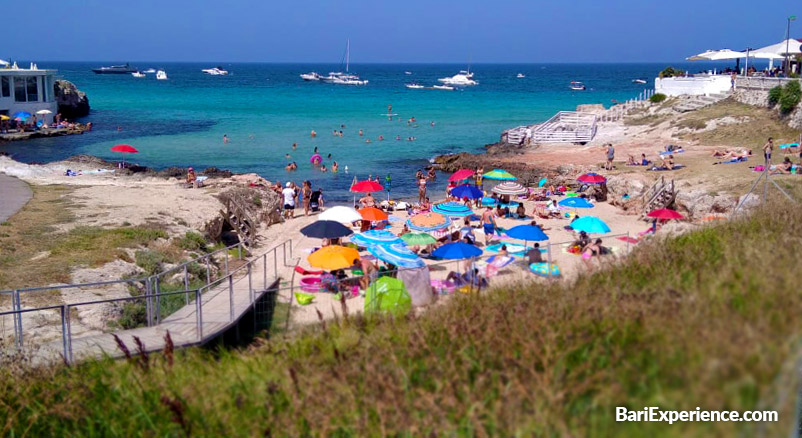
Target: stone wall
{"points": [[760, 97]]}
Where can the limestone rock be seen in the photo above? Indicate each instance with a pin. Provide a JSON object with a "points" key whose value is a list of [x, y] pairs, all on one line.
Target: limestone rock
{"points": [[72, 102]]}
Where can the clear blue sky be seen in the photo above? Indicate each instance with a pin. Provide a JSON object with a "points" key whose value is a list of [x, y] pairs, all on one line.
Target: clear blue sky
{"points": [[527, 31]]}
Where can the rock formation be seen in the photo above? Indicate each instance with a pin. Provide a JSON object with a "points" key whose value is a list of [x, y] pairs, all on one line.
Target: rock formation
{"points": [[72, 102]]}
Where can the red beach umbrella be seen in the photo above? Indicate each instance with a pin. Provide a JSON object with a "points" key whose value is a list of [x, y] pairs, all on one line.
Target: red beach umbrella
{"points": [[592, 178], [124, 148], [461, 175], [366, 187], [665, 213]]}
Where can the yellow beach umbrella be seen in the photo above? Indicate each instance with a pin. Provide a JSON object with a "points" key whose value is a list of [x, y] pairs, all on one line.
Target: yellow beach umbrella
{"points": [[333, 257], [4, 117]]}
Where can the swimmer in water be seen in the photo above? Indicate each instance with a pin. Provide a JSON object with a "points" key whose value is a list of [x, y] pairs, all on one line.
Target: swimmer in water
{"points": [[225, 139], [329, 157], [294, 146], [335, 167], [432, 123], [313, 134], [315, 149], [398, 137], [323, 168], [360, 133], [367, 140], [287, 156], [381, 137]]}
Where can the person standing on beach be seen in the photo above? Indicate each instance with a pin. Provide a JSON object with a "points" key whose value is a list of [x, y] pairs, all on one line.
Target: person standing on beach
{"points": [[610, 156], [306, 196], [479, 176], [488, 223], [289, 200], [767, 148], [421, 188]]}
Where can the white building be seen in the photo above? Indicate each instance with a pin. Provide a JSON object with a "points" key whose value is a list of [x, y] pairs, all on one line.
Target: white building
{"points": [[27, 90]]}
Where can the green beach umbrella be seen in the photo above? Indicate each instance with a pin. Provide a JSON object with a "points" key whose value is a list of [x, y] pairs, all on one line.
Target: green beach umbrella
{"points": [[500, 174], [419, 239], [388, 294]]}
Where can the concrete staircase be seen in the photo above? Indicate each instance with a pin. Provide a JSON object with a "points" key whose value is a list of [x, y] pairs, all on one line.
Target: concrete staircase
{"points": [[697, 102]]}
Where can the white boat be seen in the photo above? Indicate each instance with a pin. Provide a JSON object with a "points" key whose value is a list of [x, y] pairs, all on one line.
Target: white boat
{"points": [[216, 71], [520, 76], [311, 76], [149, 71], [346, 78], [638, 81], [138, 74], [161, 75], [407, 72], [414, 86], [443, 87], [578, 86], [463, 78]]}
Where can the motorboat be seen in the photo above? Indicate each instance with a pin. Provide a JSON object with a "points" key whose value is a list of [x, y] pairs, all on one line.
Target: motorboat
{"points": [[520, 76], [414, 86], [407, 72], [161, 75], [463, 78], [149, 71], [638, 81], [578, 86], [137, 74], [443, 87], [311, 76], [216, 71], [347, 80], [115, 70]]}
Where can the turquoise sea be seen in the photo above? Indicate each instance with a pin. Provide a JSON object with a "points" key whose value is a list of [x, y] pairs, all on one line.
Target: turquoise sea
{"points": [[265, 108]]}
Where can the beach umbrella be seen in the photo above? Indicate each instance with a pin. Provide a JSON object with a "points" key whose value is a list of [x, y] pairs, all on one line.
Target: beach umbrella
{"points": [[341, 214], [461, 175], [372, 214], [22, 115], [665, 213], [4, 117], [418, 239], [590, 224], [527, 233], [457, 251], [500, 174], [428, 222], [542, 182], [326, 230], [575, 202], [510, 188], [396, 254], [44, 112], [452, 209], [366, 187], [389, 295], [333, 257], [375, 237], [125, 149], [467, 191], [592, 178]]}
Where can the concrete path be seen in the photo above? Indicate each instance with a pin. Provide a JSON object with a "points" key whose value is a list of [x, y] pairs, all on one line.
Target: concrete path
{"points": [[14, 194]]}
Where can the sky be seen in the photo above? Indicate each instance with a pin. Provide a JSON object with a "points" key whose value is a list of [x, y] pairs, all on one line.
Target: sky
{"points": [[426, 31]]}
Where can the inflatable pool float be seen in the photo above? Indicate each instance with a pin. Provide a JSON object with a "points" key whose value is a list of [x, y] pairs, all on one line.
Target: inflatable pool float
{"points": [[316, 159], [544, 269], [310, 284], [304, 298]]}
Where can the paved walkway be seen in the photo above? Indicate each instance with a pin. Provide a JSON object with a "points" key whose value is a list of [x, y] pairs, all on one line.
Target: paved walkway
{"points": [[14, 194]]}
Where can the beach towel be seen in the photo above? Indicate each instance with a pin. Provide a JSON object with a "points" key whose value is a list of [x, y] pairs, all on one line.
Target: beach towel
{"points": [[789, 145], [732, 160], [661, 169], [679, 151]]}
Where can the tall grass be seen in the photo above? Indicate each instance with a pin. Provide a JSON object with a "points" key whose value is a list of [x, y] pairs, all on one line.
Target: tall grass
{"points": [[707, 319]]}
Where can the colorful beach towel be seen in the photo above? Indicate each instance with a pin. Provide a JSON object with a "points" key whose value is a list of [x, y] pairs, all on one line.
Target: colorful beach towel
{"points": [[544, 269]]}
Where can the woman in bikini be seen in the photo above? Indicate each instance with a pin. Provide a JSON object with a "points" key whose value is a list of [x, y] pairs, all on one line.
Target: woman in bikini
{"points": [[306, 193]]}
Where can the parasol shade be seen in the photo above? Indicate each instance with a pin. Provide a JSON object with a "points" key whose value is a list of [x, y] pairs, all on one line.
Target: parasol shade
{"points": [[333, 257], [461, 175], [665, 213], [366, 187], [510, 188], [326, 230], [126, 148]]}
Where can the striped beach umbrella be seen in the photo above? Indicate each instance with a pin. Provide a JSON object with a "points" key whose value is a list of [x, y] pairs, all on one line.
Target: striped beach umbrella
{"points": [[452, 209], [375, 237], [396, 254], [428, 222], [510, 188], [500, 174], [419, 239]]}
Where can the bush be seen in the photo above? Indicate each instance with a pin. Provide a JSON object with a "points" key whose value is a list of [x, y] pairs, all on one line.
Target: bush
{"points": [[790, 97], [669, 72], [657, 98], [150, 261], [192, 241], [775, 94]]}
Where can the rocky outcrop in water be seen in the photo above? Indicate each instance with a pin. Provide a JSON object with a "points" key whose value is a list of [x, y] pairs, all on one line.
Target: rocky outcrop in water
{"points": [[72, 102]]}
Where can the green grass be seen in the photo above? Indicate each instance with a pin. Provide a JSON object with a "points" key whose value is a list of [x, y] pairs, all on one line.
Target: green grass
{"points": [[708, 319]]}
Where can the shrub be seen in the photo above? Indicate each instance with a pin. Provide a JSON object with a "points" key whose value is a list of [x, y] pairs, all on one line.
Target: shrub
{"points": [[657, 98], [192, 241], [791, 95], [150, 261], [775, 94], [669, 72]]}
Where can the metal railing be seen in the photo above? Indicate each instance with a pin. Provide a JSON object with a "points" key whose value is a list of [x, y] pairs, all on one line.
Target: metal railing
{"points": [[566, 127], [152, 297]]}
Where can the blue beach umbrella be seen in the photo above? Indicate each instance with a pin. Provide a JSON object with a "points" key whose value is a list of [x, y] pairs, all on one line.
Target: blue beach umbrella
{"points": [[542, 182], [527, 233], [396, 254], [20, 115], [575, 202], [452, 209], [375, 237], [326, 230], [467, 191], [590, 224], [457, 251]]}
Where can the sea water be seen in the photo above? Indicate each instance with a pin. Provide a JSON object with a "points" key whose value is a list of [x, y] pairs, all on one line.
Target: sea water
{"points": [[264, 108]]}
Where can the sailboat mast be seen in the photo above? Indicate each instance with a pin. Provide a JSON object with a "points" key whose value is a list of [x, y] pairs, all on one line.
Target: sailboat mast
{"points": [[347, 53]]}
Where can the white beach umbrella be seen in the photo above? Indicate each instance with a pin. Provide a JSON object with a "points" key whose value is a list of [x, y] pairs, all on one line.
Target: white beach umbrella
{"points": [[794, 47], [341, 214], [3, 62], [44, 112]]}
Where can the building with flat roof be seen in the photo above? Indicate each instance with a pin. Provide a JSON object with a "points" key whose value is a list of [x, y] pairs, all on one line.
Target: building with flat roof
{"points": [[27, 90]]}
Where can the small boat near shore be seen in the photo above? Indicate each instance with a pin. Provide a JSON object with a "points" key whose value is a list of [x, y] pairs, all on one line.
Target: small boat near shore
{"points": [[443, 87], [115, 70], [520, 76], [137, 74], [149, 71], [414, 86], [311, 76], [638, 81], [161, 75], [577, 86], [215, 71]]}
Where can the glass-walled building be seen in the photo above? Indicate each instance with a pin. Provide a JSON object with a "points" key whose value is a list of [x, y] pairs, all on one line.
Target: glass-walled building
{"points": [[27, 90]]}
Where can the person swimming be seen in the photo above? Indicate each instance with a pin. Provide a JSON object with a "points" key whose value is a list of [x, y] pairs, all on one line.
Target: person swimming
{"points": [[334, 167]]}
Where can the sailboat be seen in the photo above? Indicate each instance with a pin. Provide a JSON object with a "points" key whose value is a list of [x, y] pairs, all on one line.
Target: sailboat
{"points": [[344, 78]]}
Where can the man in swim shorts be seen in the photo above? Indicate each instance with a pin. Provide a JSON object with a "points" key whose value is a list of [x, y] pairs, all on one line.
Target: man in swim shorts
{"points": [[488, 223]]}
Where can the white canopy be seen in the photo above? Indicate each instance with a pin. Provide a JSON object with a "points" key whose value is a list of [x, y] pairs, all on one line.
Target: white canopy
{"points": [[794, 47], [2, 62], [723, 54]]}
